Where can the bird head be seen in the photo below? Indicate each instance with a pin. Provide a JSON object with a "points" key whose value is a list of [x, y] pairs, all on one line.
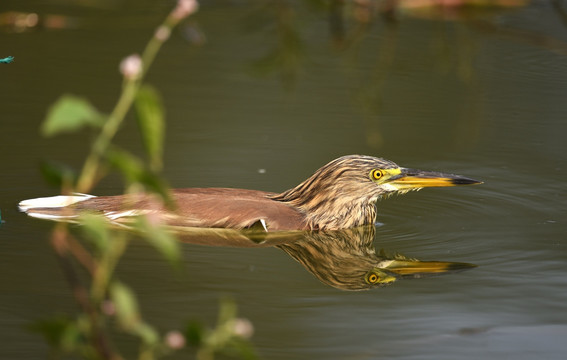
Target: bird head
{"points": [[342, 193]]}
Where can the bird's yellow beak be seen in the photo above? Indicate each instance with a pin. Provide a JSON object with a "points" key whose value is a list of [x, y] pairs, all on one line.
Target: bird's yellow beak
{"points": [[416, 268], [412, 179]]}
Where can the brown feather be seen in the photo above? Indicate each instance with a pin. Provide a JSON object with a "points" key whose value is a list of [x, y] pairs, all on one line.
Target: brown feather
{"points": [[208, 207]]}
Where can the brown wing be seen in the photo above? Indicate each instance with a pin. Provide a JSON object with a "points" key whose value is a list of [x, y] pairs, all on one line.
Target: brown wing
{"points": [[210, 208], [235, 209]]}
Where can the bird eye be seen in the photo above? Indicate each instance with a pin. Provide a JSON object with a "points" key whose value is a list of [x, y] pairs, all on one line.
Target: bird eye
{"points": [[376, 174], [373, 278]]}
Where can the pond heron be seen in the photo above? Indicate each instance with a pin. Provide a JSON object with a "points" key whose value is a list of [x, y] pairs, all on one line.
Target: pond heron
{"points": [[340, 195]]}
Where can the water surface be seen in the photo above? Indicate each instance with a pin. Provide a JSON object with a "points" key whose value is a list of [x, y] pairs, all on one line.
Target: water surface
{"points": [[459, 96]]}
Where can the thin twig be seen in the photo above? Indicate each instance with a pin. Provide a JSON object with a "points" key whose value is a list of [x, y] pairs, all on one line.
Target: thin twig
{"points": [[59, 241]]}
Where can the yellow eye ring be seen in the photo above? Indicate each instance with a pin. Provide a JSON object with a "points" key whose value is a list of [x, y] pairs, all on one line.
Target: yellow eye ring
{"points": [[373, 278], [376, 174]]}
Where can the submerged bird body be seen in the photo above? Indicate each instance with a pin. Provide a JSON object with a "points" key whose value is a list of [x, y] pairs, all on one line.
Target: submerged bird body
{"points": [[340, 195]]}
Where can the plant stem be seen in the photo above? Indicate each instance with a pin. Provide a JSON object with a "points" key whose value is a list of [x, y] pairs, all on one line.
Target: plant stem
{"points": [[110, 128], [59, 241], [101, 277], [90, 169]]}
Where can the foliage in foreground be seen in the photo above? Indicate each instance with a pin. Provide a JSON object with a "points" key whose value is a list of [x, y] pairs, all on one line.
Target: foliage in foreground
{"points": [[108, 306]]}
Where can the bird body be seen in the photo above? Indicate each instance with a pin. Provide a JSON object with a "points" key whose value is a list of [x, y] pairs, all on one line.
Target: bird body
{"points": [[340, 195]]}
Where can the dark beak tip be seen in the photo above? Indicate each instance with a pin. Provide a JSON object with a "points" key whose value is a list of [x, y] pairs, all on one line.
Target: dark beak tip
{"points": [[461, 266], [465, 181]]}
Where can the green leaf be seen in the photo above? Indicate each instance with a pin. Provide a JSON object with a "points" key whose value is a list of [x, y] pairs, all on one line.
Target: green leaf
{"points": [[161, 240], [227, 311], [126, 306], [60, 332], [69, 114], [57, 174], [242, 349], [96, 229], [151, 120], [194, 333], [128, 314], [147, 333], [132, 168]]}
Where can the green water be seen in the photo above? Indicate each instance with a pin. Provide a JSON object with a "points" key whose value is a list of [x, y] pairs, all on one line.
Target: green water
{"points": [[482, 101]]}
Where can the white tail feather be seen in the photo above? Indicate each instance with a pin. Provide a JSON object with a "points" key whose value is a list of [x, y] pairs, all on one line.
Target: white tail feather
{"points": [[52, 202], [68, 218]]}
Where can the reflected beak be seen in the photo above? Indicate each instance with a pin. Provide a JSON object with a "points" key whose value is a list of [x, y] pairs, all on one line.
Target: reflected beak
{"points": [[412, 179], [416, 268]]}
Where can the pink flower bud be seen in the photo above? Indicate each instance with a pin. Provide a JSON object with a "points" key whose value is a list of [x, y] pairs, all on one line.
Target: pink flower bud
{"points": [[184, 8], [131, 66], [243, 328], [175, 340]]}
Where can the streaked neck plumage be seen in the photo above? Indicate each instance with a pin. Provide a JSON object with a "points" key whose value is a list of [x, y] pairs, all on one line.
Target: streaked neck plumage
{"points": [[334, 200]]}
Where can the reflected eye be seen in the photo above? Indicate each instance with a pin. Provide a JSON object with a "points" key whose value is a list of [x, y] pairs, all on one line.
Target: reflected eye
{"points": [[376, 174], [372, 278]]}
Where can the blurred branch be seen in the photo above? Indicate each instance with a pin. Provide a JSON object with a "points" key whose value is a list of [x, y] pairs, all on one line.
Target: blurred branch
{"points": [[59, 241], [69, 114], [134, 70]]}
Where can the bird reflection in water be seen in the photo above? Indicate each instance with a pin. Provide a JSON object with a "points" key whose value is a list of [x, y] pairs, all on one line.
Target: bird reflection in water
{"points": [[345, 259]]}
